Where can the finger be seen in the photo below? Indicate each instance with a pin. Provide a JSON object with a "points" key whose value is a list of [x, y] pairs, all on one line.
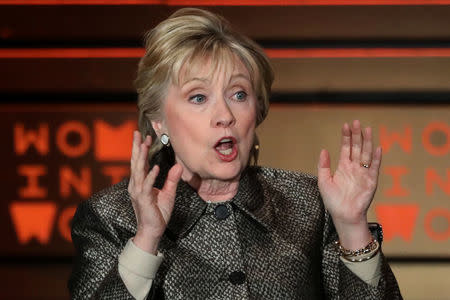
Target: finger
{"points": [[134, 157], [367, 147], [131, 187], [356, 141], [170, 186], [148, 143], [376, 162], [346, 142], [324, 166], [140, 172], [135, 148], [150, 180], [130, 184]]}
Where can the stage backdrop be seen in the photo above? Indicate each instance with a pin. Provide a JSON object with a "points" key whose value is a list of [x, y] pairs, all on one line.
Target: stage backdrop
{"points": [[56, 156]]}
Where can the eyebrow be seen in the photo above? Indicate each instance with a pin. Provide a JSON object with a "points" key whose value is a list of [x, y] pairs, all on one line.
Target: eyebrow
{"points": [[239, 75], [206, 80], [194, 79]]}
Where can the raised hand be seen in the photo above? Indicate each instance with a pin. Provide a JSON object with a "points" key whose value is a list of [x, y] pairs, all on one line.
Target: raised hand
{"points": [[348, 192], [152, 207]]}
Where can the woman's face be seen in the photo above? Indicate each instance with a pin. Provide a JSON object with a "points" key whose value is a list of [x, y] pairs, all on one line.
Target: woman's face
{"points": [[210, 117]]}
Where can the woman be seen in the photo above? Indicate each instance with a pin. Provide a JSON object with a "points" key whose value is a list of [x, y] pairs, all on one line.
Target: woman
{"points": [[198, 222]]}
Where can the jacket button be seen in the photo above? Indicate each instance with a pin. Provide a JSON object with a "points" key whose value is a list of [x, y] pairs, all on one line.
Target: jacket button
{"points": [[237, 277], [221, 212]]}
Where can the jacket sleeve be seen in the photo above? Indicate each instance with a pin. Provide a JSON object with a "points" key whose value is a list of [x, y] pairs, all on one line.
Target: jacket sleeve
{"points": [[341, 283], [97, 245]]}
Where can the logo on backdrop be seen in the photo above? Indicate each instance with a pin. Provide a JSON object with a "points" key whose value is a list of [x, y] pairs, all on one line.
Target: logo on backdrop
{"points": [[399, 220], [60, 161]]}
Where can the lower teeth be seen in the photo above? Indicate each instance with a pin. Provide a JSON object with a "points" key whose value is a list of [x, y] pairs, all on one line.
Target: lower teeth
{"points": [[226, 152]]}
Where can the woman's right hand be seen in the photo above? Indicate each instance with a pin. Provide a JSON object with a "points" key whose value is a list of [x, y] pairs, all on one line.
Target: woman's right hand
{"points": [[152, 207]]}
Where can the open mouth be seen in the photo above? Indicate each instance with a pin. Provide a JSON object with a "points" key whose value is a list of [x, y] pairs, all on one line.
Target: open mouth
{"points": [[226, 148]]}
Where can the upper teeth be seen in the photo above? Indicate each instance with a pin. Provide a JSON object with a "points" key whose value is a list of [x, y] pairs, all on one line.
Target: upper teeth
{"points": [[225, 140]]}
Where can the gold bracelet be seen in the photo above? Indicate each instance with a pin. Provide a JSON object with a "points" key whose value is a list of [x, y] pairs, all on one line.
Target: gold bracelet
{"points": [[361, 258], [366, 253]]}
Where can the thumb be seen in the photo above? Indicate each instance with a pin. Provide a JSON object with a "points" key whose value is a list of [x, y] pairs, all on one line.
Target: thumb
{"points": [[174, 175], [166, 199], [324, 166]]}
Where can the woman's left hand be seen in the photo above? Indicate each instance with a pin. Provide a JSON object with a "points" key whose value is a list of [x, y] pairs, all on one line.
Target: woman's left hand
{"points": [[348, 192]]}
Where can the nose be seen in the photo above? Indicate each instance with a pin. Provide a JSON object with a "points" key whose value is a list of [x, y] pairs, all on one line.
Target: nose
{"points": [[223, 116]]}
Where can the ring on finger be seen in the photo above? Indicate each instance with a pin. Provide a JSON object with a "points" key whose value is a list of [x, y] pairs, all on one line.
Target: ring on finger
{"points": [[364, 165]]}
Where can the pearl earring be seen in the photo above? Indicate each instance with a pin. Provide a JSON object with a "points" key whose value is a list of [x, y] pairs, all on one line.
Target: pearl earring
{"points": [[165, 140]]}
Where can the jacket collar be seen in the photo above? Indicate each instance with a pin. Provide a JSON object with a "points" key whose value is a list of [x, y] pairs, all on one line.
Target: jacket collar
{"points": [[189, 207]]}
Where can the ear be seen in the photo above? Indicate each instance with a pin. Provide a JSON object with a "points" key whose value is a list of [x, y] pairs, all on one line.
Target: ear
{"points": [[158, 127]]}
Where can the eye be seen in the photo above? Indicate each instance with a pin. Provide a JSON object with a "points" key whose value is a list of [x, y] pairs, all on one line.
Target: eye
{"points": [[197, 99], [240, 96]]}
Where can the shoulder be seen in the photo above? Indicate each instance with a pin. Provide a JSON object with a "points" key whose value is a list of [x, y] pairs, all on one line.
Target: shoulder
{"points": [[114, 197], [290, 194], [287, 181], [111, 200], [110, 208]]}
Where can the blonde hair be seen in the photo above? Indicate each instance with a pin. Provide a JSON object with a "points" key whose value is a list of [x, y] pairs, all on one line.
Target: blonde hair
{"points": [[183, 38]]}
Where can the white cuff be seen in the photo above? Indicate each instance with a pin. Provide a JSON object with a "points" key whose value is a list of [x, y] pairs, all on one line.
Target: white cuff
{"points": [[139, 261], [369, 270], [137, 269]]}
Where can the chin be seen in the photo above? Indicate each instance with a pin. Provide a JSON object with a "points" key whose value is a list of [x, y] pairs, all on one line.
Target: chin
{"points": [[228, 173]]}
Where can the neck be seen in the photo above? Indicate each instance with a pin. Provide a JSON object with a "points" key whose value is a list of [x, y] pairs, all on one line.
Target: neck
{"points": [[214, 190]]}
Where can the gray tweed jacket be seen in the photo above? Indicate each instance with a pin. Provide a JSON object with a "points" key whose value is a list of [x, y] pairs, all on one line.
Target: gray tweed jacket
{"points": [[273, 240]]}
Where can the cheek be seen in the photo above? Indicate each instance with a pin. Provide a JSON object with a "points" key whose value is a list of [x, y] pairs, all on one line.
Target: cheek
{"points": [[174, 125], [185, 130], [175, 120], [247, 128], [248, 120]]}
